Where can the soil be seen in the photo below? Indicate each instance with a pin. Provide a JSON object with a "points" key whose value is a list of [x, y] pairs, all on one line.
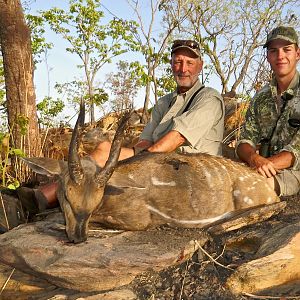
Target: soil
{"points": [[200, 278]]}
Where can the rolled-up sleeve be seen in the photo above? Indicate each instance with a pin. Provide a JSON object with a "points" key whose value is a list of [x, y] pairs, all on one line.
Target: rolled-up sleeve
{"points": [[294, 147], [157, 114], [250, 133]]}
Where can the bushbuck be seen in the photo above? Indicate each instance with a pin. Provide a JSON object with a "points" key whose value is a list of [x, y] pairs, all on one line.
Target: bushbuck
{"points": [[150, 189]]}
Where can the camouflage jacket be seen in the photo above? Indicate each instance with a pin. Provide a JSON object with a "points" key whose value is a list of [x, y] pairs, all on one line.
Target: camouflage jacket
{"points": [[266, 120]]}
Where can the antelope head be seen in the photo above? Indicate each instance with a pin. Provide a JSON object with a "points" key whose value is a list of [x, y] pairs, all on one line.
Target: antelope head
{"points": [[81, 181]]}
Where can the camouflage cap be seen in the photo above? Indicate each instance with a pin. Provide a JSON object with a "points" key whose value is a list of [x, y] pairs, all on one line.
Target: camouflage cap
{"points": [[283, 33], [188, 44]]}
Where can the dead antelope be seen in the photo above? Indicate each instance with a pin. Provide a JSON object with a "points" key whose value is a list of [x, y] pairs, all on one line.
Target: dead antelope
{"points": [[150, 189]]}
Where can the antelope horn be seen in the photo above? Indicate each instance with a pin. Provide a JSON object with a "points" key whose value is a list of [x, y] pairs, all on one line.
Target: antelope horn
{"points": [[74, 164], [103, 175]]}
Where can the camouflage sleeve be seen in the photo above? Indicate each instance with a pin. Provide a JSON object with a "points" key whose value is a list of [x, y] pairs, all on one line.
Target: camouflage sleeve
{"points": [[294, 147], [250, 133]]}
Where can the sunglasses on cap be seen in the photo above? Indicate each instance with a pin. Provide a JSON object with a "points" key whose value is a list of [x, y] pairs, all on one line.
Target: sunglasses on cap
{"points": [[188, 43]]}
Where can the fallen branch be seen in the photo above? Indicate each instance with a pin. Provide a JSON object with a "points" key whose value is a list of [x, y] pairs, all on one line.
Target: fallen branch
{"points": [[183, 280], [4, 212], [270, 297], [211, 258], [6, 281]]}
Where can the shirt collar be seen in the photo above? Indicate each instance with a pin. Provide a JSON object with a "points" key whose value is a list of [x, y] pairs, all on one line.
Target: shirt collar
{"points": [[291, 90]]}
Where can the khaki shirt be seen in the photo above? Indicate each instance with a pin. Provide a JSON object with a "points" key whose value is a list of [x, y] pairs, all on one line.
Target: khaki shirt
{"points": [[202, 125]]}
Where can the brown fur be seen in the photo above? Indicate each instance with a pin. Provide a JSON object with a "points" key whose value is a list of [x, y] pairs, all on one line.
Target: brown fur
{"points": [[152, 189]]}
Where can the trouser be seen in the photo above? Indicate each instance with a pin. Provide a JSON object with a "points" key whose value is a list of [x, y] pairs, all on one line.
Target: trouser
{"points": [[288, 181]]}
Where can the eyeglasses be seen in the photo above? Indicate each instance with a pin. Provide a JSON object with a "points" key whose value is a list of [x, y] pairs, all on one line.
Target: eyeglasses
{"points": [[189, 43]]}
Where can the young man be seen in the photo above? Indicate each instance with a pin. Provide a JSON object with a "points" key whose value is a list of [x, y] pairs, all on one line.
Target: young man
{"points": [[273, 118], [191, 119]]}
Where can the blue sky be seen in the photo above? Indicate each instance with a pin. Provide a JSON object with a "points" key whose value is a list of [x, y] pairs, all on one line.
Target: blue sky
{"points": [[60, 66]]}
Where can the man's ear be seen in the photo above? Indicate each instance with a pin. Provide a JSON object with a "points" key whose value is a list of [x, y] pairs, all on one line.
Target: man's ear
{"points": [[200, 66], [298, 54], [45, 166]]}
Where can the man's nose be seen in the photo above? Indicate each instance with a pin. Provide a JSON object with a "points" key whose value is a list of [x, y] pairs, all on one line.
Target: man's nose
{"points": [[280, 54], [183, 67]]}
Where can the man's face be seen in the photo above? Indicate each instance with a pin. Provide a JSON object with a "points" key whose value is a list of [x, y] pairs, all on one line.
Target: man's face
{"points": [[186, 68], [283, 57]]}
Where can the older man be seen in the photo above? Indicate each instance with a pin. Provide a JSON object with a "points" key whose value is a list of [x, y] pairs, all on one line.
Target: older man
{"points": [[191, 119], [273, 118]]}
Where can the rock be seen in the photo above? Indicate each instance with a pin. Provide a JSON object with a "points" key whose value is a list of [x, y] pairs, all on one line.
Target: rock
{"points": [[19, 286], [277, 262], [11, 212], [245, 217], [124, 294], [108, 260]]}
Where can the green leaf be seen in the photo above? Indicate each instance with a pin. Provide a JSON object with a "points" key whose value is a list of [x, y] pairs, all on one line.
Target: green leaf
{"points": [[17, 152]]}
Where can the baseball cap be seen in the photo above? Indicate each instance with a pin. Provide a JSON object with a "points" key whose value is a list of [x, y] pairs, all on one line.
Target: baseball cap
{"points": [[188, 44], [283, 33]]}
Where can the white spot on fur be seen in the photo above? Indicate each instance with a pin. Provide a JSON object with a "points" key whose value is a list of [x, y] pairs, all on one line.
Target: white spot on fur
{"points": [[250, 188], [207, 175], [130, 176], [269, 200], [202, 221], [241, 178], [223, 167], [236, 193], [255, 182], [156, 181], [248, 200]]}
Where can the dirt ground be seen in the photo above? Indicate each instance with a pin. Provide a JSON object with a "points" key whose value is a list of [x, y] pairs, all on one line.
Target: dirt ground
{"points": [[200, 278]]}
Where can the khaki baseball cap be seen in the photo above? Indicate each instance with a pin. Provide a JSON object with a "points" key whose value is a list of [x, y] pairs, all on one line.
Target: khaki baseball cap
{"points": [[282, 33], [188, 44]]}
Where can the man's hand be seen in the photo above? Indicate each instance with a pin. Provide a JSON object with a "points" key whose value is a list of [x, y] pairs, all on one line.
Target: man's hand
{"points": [[262, 165], [267, 167]]}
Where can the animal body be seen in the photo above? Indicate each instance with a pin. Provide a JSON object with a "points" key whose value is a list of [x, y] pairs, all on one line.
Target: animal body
{"points": [[187, 190]]}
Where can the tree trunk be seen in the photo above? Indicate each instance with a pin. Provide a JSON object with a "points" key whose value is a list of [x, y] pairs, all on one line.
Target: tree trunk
{"points": [[18, 71], [145, 115]]}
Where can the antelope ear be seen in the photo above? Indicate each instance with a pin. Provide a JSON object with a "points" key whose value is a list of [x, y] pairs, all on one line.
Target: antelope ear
{"points": [[45, 166], [118, 180]]}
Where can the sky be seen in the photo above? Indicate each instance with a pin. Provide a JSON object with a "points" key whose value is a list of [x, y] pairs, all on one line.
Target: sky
{"points": [[61, 66]]}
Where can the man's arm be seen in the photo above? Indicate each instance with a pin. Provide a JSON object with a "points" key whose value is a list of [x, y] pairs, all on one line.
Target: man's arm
{"points": [[283, 160], [267, 167], [168, 142]]}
